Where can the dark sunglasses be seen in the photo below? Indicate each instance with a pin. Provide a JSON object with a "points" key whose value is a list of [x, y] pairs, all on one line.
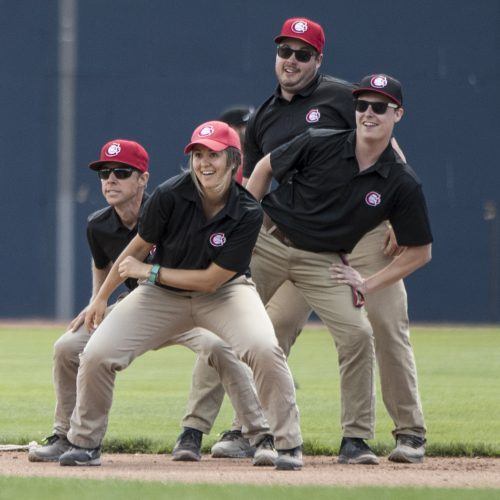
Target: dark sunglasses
{"points": [[378, 107], [302, 55], [120, 173]]}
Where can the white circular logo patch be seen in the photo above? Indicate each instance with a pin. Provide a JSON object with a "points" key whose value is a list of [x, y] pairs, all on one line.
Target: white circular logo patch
{"points": [[113, 149], [206, 131], [313, 116], [217, 239], [300, 27], [373, 199], [378, 81]]}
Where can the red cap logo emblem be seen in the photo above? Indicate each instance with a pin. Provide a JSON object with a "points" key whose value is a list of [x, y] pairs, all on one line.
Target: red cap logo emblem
{"points": [[313, 116], [113, 149], [206, 131], [378, 81], [373, 199], [299, 27], [217, 239]]}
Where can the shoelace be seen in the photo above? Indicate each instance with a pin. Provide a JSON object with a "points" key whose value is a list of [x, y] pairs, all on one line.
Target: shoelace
{"points": [[231, 435], [192, 437], [266, 442], [51, 439], [413, 441]]}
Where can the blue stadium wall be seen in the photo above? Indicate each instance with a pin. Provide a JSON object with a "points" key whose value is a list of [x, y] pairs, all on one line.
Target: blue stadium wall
{"points": [[152, 70]]}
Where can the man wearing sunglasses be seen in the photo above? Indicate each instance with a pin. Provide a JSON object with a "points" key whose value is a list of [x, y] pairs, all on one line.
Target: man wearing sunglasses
{"points": [[306, 99], [334, 187], [123, 172]]}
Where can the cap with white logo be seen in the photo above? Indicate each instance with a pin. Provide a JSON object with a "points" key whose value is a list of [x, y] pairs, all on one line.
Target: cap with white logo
{"points": [[381, 84], [214, 135], [303, 29], [129, 153]]}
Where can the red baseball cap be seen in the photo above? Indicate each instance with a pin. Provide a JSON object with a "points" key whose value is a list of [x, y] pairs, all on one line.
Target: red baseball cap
{"points": [[215, 135], [303, 29], [128, 153]]}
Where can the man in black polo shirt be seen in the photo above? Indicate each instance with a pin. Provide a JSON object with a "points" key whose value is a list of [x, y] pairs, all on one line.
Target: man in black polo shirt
{"points": [[123, 170], [306, 99], [335, 186]]}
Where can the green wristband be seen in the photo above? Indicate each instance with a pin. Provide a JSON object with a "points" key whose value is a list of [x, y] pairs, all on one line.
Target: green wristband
{"points": [[153, 274]]}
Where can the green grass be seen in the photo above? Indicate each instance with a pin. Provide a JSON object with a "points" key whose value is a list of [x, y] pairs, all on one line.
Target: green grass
{"points": [[55, 489], [459, 371]]}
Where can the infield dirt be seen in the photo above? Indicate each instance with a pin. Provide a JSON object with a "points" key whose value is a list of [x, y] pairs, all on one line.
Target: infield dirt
{"points": [[318, 470]]}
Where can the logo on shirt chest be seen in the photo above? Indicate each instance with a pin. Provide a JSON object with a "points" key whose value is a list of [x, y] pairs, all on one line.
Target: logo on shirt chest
{"points": [[217, 239], [373, 198], [313, 116]]}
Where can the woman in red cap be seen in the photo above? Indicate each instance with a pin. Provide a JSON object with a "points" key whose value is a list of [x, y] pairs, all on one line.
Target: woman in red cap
{"points": [[204, 227]]}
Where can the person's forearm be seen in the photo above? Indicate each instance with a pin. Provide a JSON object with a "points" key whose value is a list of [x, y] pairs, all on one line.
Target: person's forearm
{"points": [[409, 261], [98, 278], [138, 249], [260, 180], [199, 280]]}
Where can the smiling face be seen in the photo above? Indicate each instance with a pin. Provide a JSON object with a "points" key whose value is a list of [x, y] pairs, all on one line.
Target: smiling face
{"points": [[119, 192], [211, 168], [294, 75], [375, 127]]}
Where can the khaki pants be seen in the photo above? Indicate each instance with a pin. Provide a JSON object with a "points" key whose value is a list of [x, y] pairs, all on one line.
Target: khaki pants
{"points": [[152, 317], [67, 350], [387, 312], [272, 265]]}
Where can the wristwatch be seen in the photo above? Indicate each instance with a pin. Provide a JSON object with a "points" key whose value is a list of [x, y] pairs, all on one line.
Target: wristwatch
{"points": [[153, 274]]}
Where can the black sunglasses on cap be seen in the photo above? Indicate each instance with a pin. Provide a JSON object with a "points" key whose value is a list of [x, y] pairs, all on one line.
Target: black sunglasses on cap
{"points": [[119, 172], [302, 55], [378, 107]]}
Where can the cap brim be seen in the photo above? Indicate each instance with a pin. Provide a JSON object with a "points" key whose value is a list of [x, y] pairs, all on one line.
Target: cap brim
{"points": [[281, 37], [376, 91], [97, 165], [209, 143]]}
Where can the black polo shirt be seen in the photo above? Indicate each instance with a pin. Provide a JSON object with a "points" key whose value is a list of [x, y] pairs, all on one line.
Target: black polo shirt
{"points": [[323, 202], [108, 237], [326, 102], [173, 219]]}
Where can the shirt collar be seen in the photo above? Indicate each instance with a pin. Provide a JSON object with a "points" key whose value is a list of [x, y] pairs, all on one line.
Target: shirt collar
{"points": [[117, 222], [305, 92], [382, 166], [188, 190]]}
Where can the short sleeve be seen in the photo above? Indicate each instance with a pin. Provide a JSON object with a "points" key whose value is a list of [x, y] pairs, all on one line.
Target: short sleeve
{"points": [[252, 151], [409, 217], [155, 215], [237, 251], [100, 258]]}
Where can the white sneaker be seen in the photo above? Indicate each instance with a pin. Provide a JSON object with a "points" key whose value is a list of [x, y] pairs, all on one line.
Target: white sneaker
{"points": [[409, 449], [265, 453], [232, 444]]}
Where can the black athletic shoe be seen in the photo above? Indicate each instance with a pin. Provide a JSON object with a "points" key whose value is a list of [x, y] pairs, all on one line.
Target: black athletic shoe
{"points": [[356, 451], [81, 456], [188, 446], [409, 449]]}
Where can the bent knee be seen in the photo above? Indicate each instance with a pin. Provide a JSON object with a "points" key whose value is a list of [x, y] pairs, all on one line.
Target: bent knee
{"points": [[67, 347]]}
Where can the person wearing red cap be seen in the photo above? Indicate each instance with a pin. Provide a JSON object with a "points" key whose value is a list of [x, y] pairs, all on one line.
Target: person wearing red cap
{"points": [[306, 99], [204, 226], [123, 171]]}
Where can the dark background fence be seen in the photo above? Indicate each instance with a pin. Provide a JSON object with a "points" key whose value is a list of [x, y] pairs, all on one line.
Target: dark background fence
{"points": [[151, 70]]}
